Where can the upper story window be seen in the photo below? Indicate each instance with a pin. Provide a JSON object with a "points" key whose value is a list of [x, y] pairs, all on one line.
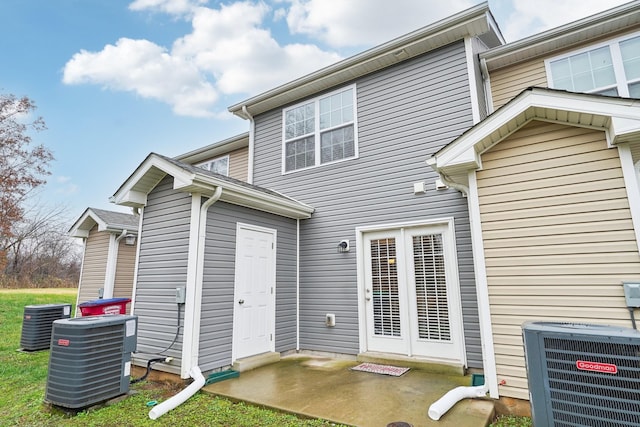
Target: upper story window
{"points": [[218, 165], [611, 68], [319, 131]]}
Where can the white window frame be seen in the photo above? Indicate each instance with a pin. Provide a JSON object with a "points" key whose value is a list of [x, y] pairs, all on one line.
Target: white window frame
{"points": [[207, 165], [622, 84], [318, 131]]}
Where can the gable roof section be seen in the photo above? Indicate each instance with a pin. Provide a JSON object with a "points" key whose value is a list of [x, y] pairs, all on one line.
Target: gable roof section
{"points": [[619, 118], [476, 21], [215, 150], [115, 222], [566, 36], [192, 179]]}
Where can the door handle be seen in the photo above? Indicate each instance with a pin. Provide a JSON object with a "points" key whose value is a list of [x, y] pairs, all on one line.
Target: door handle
{"points": [[241, 301]]}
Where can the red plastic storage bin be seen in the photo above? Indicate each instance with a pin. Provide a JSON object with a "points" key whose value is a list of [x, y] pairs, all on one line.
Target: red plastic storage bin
{"points": [[104, 306]]}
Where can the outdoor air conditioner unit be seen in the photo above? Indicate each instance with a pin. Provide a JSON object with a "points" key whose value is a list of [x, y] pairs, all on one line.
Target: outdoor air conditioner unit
{"points": [[90, 359], [583, 375], [37, 322]]}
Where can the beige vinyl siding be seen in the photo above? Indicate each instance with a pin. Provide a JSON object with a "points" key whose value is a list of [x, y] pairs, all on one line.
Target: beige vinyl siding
{"points": [[123, 286], [239, 164], [509, 81], [506, 83], [558, 236], [94, 266]]}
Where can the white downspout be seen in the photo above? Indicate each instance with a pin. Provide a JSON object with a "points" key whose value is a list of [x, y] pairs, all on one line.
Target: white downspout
{"points": [[194, 372], [486, 81], [84, 252], [252, 129], [140, 214], [297, 285], [112, 262], [446, 402], [202, 234]]}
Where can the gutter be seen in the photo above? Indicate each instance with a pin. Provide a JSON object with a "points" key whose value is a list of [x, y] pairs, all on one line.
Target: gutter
{"points": [[431, 162]]}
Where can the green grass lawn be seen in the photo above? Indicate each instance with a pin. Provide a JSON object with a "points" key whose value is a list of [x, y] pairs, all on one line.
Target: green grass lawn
{"points": [[23, 376]]}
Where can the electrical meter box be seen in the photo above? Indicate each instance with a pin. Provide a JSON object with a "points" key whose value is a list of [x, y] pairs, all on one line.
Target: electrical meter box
{"points": [[632, 293]]}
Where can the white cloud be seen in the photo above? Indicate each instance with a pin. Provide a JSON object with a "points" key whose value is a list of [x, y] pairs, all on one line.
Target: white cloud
{"points": [[231, 44], [172, 7], [62, 179], [146, 69], [229, 51], [364, 23], [530, 17], [65, 186]]}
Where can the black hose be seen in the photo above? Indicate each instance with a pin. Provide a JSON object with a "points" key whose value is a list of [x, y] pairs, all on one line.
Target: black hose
{"points": [[177, 332], [146, 374], [160, 359]]}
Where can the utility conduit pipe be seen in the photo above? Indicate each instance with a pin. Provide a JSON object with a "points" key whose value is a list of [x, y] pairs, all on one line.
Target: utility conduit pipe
{"points": [[180, 398], [446, 402]]}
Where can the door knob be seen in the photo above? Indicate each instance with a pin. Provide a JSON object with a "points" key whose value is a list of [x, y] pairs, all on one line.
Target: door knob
{"points": [[241, 301]]}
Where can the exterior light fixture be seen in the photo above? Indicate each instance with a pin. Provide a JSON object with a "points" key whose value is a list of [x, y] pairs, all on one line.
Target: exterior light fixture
{"points": [[130, 239], [343, 246]]}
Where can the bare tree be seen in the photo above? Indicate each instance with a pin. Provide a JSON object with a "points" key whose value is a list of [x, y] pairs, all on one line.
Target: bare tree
{"points": [[40, 253], [23, 167]]}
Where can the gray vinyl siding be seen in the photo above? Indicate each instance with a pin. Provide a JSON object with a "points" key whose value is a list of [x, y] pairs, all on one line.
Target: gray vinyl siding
{"points": [[216, 330], [164, 248], [405, 113]]}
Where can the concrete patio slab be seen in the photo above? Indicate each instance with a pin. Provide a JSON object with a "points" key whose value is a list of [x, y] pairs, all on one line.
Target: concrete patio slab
{"points": [[326, 388]]}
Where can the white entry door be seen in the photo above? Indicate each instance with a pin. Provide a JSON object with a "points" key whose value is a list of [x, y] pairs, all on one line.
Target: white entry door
{"points": [[254, 305], [411, 293]]}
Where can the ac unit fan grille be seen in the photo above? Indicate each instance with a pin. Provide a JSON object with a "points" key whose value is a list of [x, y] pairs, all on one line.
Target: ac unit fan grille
{"points": [[588, 398]]}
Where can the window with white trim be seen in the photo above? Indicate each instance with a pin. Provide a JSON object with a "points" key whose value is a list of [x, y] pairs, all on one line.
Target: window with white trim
{"points": [[611, 68], [320, 131], [219, 165]]}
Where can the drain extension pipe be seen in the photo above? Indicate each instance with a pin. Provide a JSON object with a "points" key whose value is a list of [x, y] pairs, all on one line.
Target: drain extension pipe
{"points": [[446, 402], [180, 398]]}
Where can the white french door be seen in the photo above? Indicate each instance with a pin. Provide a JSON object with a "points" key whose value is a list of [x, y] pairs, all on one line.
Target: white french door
{"points": [[411, 293]]}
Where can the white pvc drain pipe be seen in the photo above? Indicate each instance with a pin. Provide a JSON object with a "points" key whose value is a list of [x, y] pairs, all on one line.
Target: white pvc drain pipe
{"points": [[181, 397], [446, 402]]}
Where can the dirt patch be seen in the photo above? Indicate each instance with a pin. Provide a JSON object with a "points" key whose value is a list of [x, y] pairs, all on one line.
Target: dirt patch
{"points": [[162, 389]]}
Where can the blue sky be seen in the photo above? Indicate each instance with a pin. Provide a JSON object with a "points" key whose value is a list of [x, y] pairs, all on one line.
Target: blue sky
{"points": [[117, 79]]}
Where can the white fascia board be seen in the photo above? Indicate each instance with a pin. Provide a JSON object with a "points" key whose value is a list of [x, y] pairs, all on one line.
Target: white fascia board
{"points": [[471, 22], [79, 233], [266, 203], [526, 107], [145, 178], [85, 223], [464, 147], [131, 198], [623, 129]]}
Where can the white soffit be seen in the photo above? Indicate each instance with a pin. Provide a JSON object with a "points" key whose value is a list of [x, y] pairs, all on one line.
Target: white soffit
{"points": [[575, 33], [618, 117]]}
